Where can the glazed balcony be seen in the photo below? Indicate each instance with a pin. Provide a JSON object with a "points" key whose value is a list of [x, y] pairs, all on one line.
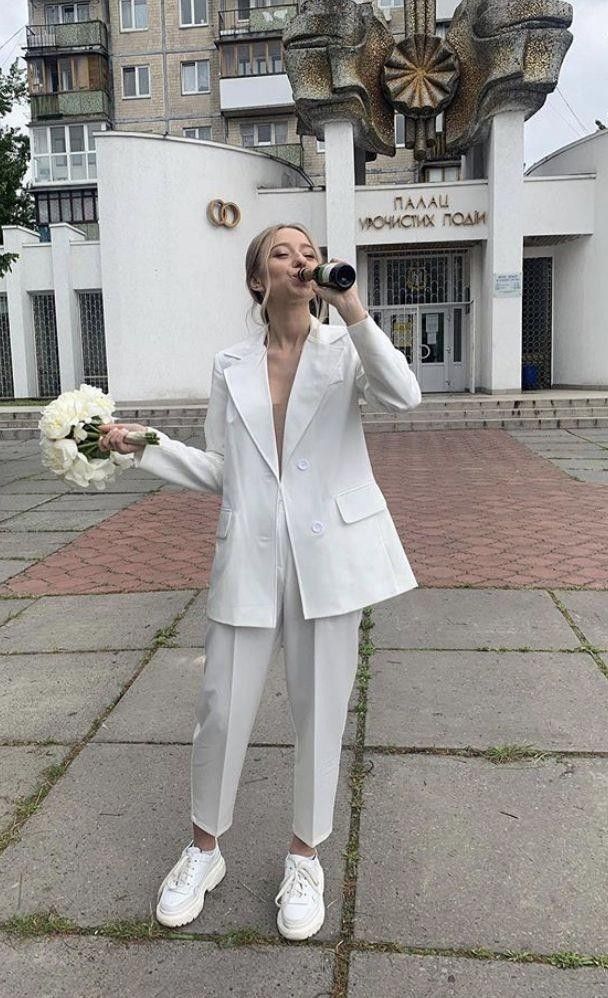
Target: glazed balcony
{"points": [[252, 93], [71, 103], [292, 152], [254, 21], [84, 35]]}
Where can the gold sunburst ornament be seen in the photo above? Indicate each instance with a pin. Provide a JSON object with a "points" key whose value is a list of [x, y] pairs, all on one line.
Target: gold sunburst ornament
{"points": [[420, 78]]}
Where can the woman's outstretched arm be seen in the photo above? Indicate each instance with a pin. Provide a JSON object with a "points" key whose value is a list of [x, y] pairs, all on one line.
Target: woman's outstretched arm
{"points": [[186, 466]]}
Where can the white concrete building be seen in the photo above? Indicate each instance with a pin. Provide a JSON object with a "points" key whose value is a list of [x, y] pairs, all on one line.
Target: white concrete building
{"points": [[481, 282]]}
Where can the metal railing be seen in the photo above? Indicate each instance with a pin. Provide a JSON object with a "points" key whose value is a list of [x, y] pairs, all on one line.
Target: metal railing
{"points": [[247, 20], [70, 102], [83, 34]]}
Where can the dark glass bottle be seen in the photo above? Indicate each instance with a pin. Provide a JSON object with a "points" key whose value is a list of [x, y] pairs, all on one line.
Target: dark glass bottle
{"points": [[340, 276]]}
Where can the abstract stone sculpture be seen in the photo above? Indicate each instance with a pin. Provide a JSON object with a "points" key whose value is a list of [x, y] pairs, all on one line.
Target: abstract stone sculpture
{"points": [[499, 55], [510, 53], [334, 56], [421, 76]]}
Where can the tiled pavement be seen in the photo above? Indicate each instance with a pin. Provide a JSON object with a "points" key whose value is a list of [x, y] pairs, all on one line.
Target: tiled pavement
{"points": [[448, 874]]}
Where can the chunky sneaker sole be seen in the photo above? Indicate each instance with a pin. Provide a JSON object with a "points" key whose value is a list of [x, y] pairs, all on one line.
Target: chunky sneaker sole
{"points": [[215, 874], [306, 929]]}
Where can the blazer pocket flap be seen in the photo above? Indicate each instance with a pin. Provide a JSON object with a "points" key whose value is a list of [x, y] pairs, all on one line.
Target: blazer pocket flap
{"points": [[364, 500], [223, 522]]}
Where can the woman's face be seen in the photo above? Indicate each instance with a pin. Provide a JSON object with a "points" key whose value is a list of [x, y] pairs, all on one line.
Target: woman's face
{"points": [[290, 252]]}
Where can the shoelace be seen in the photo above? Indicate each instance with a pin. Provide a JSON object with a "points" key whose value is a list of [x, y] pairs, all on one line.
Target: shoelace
{"points": [[184, 873], [296, 882]]}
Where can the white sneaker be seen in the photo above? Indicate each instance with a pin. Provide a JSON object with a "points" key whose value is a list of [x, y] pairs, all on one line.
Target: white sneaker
{"points": [[181, 895], [300, 897]]}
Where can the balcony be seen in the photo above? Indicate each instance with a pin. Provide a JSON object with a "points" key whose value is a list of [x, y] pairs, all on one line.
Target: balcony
{"points": [[252, 93], [71, 103], [258, 21], [85, 35]]}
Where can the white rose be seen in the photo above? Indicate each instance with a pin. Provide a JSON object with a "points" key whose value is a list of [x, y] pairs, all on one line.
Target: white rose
{"points": [[79, 472], [59, 455], [58, 418], [80, 433]]}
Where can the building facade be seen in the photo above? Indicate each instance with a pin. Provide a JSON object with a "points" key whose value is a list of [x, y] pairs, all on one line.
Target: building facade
{"points": [[197, 69]]}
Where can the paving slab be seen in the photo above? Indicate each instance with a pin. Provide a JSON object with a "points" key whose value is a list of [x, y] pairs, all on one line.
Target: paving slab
{"points": [[554, 701], [12, 566], [87, 623], [34, 545], [160, 705], [59, 696], [20, 502], [39, 487], [118, 820], [55, 968], [21, 769], [191, 630], [11, 607], [463, 853], [395, 975], [595, 477], [589, 610], [53, 519], [471, 618], [89, 501]]}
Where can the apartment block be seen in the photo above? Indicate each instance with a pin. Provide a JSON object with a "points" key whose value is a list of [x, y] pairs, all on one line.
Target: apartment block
{"points": [[206, 70]]}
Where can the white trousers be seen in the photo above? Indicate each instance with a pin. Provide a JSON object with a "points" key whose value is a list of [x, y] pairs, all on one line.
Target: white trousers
{"points": [[320, 663]]}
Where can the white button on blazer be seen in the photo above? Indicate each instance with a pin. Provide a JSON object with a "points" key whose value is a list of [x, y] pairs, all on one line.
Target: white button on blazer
{"points": [[346, 549]]}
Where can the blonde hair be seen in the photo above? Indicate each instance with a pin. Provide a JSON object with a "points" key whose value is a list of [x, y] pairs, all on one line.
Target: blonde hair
{"points": [[256, 266]]}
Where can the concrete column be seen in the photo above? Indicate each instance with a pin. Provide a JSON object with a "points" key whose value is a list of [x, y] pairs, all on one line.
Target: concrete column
{"points": [[501, 319], [69, 340], [21, 320], [340, 196]]}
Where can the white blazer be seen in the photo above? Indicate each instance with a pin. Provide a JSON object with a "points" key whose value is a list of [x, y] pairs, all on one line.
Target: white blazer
{"points": [[346, 549]]}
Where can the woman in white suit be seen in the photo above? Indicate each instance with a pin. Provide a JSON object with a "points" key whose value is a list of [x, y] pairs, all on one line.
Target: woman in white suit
{"points": [[304, 542]]}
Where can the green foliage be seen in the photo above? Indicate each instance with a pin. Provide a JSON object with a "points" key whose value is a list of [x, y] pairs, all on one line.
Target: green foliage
{"points": [[16, 203]]}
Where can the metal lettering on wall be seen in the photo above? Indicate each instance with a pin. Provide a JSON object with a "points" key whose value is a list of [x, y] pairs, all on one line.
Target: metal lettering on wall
{"points": [[421, 213], [224, 213]]}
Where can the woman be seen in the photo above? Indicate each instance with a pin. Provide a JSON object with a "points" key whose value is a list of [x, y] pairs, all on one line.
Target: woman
{"points": [[304, 542]]}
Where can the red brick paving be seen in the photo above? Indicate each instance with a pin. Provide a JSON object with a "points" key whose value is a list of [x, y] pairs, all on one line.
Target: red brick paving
{"points": [[472, 507]]}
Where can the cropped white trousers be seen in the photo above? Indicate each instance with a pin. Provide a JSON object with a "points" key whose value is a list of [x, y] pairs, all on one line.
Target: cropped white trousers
{"points": [[320, 663]]}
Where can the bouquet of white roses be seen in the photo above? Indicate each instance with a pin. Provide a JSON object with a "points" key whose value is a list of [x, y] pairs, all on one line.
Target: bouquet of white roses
{"points": [[70, 435]]}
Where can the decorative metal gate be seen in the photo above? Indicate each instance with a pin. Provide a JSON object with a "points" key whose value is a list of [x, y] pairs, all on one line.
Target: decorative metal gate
{"points": [[537, 322], [421, 299], [92, 331], [47, 350], [7, 389]]}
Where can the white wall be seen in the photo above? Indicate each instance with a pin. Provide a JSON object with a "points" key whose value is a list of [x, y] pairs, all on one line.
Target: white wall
{"points": [[580, 269], [174, 284]]}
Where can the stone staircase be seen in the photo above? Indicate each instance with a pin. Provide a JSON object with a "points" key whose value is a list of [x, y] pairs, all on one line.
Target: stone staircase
{"points": [[532, 410]]}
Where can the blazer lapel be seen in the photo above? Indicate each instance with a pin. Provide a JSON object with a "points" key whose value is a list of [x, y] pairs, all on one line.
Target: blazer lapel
{"points": [[318, 368], [247, 381]]}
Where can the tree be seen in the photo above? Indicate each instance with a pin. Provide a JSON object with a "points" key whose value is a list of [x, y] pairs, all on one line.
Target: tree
{"points": [[16, 205]]}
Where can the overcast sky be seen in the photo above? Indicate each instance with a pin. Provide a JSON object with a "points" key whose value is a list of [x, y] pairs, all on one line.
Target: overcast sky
{"points": [[583, 84]]}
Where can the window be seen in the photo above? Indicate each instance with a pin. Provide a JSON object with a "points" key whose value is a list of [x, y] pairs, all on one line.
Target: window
{"points": [[65, 152], [400, 130], [390, 3], [66, 206], [133, 15], [195, 77], [66, 13], [321, 145], [200, 132], [135, 81], [441, 174], [193, 12], [260, 58], [263, 133]]}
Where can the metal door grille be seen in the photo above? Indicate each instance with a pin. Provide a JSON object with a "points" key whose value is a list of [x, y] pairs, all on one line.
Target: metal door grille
{"points": [[47, 350], [92, 331], [537, 319], [421, 277], [7, 388]]}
